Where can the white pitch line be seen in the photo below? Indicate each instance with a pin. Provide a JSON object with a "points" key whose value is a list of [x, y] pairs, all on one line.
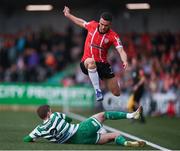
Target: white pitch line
{"points": [[81, 118]]}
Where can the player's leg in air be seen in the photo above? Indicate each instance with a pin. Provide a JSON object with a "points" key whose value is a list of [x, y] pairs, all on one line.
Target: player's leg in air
{"points": [[90, 65], [117, 137], [113, 86]]}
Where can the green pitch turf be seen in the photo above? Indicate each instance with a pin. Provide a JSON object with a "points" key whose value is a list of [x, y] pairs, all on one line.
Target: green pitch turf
{"points": [[14, 125]]}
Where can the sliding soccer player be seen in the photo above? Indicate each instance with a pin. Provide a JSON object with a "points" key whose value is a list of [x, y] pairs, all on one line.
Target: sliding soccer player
{"points": [[57, 128]]}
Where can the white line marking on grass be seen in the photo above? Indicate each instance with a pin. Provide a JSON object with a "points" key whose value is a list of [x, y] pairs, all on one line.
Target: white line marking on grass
{"points": [[81, 118]]}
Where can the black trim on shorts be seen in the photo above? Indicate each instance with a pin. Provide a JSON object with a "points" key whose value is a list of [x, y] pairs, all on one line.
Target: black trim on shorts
{"points": [[104, 70]]}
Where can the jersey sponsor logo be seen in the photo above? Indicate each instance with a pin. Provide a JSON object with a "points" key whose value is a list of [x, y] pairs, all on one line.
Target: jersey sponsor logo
{"points": [[96, 46], [53, 131]]}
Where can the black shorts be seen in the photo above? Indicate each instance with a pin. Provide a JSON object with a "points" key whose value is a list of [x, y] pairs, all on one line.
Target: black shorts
{"points": [[104, 70]]}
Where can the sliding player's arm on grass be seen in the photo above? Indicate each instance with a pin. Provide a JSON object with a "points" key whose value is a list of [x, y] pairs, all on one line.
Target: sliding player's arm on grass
{"points": [[33, 135], [78, 21]]}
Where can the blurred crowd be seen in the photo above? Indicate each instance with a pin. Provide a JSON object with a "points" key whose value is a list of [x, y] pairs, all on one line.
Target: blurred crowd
{"points": [[29, 56], [158, 55]]}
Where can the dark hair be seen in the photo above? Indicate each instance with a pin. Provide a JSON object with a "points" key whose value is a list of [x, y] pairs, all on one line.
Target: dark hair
{"points": [[42, 111], [107, 16]]}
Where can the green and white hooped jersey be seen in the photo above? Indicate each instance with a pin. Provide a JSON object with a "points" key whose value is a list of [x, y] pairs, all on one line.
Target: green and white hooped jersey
{"points": [[55, 129]]}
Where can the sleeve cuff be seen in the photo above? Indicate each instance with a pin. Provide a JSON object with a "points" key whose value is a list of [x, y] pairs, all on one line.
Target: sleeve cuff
{"points": [[85, 23], [120, 46]]}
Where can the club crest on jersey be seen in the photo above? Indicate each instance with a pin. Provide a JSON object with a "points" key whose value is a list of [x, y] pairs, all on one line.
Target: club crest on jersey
{"points": [[106, 40]]}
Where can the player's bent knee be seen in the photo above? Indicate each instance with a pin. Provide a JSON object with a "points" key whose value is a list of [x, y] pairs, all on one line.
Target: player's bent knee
{"points": [[90, 63], [100, 117], [89, 60], [91, 66]]}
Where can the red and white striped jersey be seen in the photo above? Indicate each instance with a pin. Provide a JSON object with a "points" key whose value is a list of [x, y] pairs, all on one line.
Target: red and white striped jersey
{"points": [[97, 44]]}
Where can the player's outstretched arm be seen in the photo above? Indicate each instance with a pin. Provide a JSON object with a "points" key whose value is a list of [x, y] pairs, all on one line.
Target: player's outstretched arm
{"points": [[78, 21], [123, 56]]}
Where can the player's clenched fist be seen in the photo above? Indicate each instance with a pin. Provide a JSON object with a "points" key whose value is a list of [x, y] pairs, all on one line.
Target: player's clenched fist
{"points": [[66, 11], [125, 65]]}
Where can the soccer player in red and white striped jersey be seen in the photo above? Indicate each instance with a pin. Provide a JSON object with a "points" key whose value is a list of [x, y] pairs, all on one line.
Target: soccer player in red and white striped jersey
{"points": [[94, 61]]}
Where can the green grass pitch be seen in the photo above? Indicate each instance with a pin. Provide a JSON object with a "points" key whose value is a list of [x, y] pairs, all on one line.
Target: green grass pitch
{"points": [[163, 131]]}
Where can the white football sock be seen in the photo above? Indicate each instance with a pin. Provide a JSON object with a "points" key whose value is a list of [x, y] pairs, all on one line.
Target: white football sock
{"points": [[133, 115], [94, 77], [129, 115]]}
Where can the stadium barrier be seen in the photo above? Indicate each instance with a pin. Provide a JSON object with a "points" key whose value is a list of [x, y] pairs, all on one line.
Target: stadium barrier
{"points": [[36, 94], [155, 104], [82, 98]]}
